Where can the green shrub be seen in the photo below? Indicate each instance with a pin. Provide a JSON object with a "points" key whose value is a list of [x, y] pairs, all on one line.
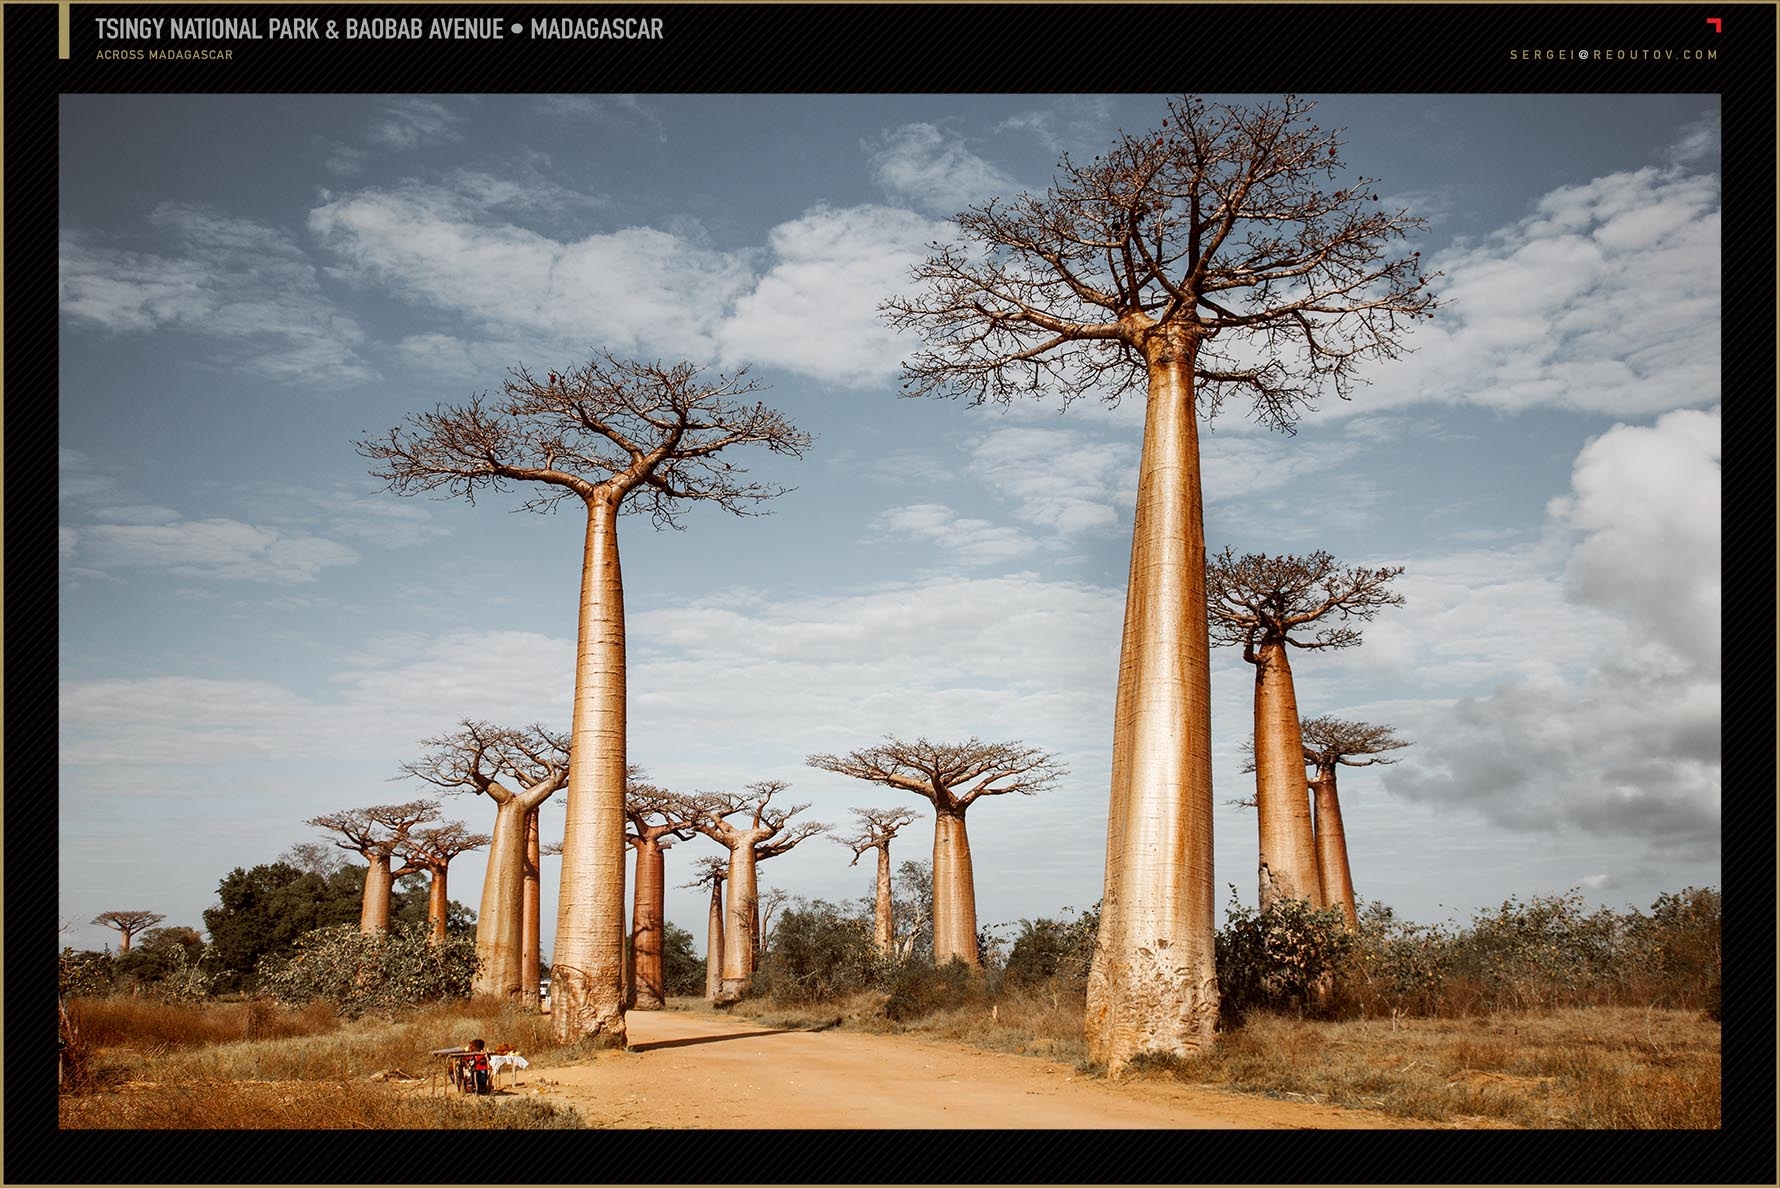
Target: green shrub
{"points": [[917, 989], [1049, 948], [818, 952], [1280, 958], [359, 972]]}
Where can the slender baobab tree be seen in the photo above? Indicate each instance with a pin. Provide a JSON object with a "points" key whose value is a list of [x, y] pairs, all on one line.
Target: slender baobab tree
{"points": [[619, 436], [1257, 602], [518, 770], [432, 850], [763, 831], [952, 777], [877, 827], [377, 834], [128, 924], [658, 818], [711, 873], [1230, 251], [1329, 743]]}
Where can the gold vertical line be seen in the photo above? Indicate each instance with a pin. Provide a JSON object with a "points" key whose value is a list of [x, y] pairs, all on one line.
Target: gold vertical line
{"points": [[62, 29]]}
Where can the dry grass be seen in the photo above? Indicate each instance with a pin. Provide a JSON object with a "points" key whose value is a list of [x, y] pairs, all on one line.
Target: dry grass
{"points": [[1601, 1067], [302, 1105]]}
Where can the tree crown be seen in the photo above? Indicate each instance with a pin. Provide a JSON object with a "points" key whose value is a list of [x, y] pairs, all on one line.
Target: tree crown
{"points": [[1227, 225], [377, 831], [1330, 740], [1255, 596], [478, 755], [768, 830], [646, 435], [937, 770], [877, 827]]}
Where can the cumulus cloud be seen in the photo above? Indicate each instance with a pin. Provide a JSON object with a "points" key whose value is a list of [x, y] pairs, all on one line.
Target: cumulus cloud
{"points": [[216, 548], [1063, 480], [816, 308], [1613, 721], [242, 283], [411, 121], [964, 539], [934, 169]]}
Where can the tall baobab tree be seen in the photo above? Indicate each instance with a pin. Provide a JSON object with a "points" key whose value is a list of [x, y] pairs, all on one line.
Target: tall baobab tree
{"points": [[711, 873], [1329, 743], [1258, 602], [877, 828], [658, 818], [952, 777], [128, 924], [763, 831], [1230, 251], [377, 834], [619, 436], [432, 850], [518, 770]]}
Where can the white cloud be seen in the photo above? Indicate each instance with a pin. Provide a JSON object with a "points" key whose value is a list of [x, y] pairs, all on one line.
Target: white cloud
{"points": [[816, 309], [241, 282], [1060, 479], [411, 121], [968, 540], [217, 548], [934, 169]]}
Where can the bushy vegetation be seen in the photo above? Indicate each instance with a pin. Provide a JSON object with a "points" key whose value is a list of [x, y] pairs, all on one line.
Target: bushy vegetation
{"points": [[1283, 957], [357, 972]]}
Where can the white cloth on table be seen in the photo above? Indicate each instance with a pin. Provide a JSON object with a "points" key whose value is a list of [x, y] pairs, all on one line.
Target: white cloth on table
{"points": [[498, 1061]]}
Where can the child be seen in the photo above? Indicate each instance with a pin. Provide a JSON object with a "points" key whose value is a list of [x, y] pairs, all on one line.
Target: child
{"points": [[475, 1068]]}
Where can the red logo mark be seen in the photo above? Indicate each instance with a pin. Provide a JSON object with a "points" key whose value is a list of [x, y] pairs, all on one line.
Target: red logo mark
{"points": [[1717, 24]]}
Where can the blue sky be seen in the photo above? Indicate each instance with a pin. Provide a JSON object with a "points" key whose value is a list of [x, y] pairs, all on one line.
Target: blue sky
{"points": [[252, 633]]}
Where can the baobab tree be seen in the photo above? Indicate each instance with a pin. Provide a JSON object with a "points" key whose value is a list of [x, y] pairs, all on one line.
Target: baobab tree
{"points": [[432, 850], [1329, 743], [377, 834], [619, 436], [877, 828], [518, 770], [1258, 602], [128, 924], [764, 831], [711, 873], [951, 777], [1230, 251], [658, 818]]}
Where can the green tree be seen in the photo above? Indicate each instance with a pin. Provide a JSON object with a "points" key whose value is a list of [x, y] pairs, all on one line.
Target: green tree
{"points": [[682, 969]]}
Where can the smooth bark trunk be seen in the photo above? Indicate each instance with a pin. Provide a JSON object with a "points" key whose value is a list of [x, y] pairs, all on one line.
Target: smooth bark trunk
{"points": [[714, 945], [500, 927], [883, 918], [646, 926], [1288, 866], [738, 925], [379, 882], [437, 903], [531, 947], [954, 893], [1153, 987], [587, 967], [1331, 849]]}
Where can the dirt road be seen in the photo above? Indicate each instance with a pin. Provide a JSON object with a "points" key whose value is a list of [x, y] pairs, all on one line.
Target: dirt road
{"points": [[689, 1070]]}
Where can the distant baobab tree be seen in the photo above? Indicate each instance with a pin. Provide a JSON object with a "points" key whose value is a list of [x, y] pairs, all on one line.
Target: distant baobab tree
{"points": [[1329, 743], [619, 436], [877, 828], [377, 834], [1228, 252], [658, 818], [1258, 602], [518, 770], [432, 850], [764, 831], [711, 873], [128, 924], [951, 777]]}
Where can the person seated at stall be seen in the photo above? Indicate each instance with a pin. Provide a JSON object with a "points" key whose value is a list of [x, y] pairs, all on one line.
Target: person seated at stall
{"points": [[474, 1068]]}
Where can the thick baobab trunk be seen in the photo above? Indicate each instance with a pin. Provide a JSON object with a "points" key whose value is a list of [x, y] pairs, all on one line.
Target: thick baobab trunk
{"points": [[1153, 984], [500, 928], [530, 923], [437, 903], [714, 945], [373, 913], [738, 926], [883, 918], [1331, 849], [587, 967], [1288, 868], [954, 892], [646, 927]]}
